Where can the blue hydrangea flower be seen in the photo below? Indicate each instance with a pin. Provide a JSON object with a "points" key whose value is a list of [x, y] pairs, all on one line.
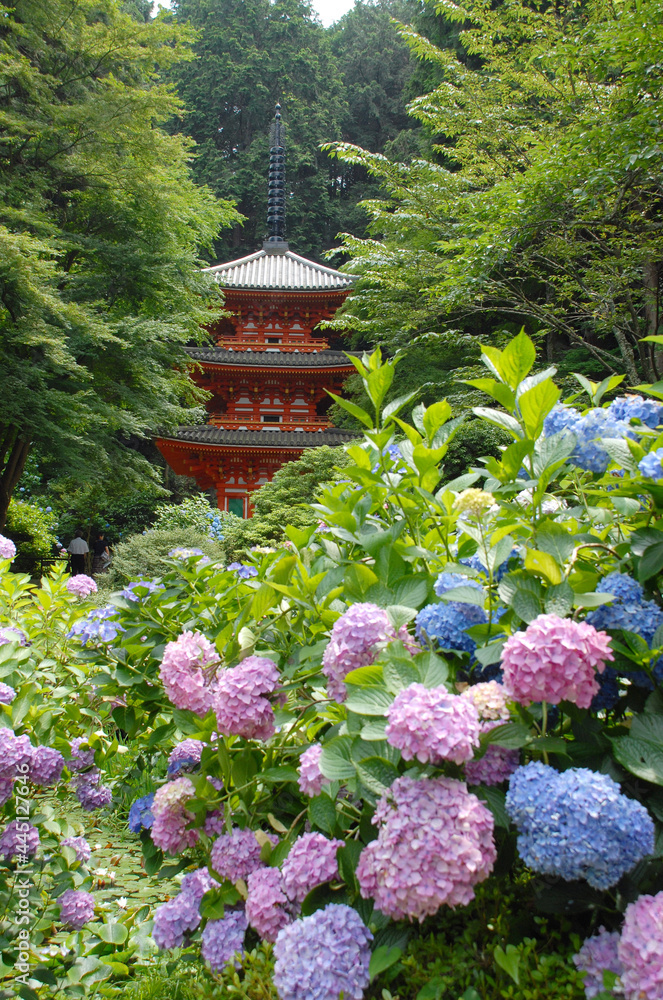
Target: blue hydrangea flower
{"points": [[444, 625], [448, 581], [244, 571], [150, 585], [641, 617], [577, 824], [140, 814], [624, 587], [96, 626], [474, 562], [607, 695], [590, 430], [561, 418], [652, 464], [649, 412]]}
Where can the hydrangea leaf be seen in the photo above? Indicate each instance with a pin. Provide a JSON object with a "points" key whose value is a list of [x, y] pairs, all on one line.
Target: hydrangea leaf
{"points": [[335, 761], [383, 958], [368, 701], [512, 735], [322, 813], [377, 774]]}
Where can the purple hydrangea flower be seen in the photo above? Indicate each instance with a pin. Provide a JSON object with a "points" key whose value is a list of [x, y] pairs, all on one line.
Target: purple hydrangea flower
{"points": [[90, 792], [81, 585], [6, 790], [76, 908], [640, 949], [311, 780], [171, 817], [597, 955], [577, 824], [445, 625], [18, 838], [46, 766], [151, 586], [496, 765], [195, 884], [243, 570], [188, 752], [15, 752], [323, 956], [80, 846], [173, 920], [648, 411], [140, 814], [7, 548], [651, 465], [96, 627], [268, 909], [354, 642], [435, 843], [222, 939], [239, 699], [236, 854], [183, 671], [310, 863], [80, 759], [7, 693], [11, 634], [432, 725], [215, 823]]}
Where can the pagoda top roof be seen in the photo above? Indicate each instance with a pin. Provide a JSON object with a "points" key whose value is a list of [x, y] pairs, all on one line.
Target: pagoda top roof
{"points": [[270, 359], [277, 268], [207, 434]]}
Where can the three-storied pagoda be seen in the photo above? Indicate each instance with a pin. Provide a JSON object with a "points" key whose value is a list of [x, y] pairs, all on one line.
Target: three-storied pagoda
{"points": [[268, 369]]}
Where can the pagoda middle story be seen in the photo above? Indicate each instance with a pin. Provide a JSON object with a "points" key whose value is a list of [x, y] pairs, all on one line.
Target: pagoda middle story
{"points": [[267, 368]]}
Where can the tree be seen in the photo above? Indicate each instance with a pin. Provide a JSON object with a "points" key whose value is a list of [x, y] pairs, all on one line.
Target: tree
{"points": [[100, 229], [544, 204]]}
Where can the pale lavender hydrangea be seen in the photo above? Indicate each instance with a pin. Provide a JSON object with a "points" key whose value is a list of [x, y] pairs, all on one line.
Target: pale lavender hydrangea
{"points": [[432, 725], [81, 585], [90, 792], [19, 838], [76, 908], [15, 753], [239, 699], [7, 694], [11, 634], [640, 949], [555, 659], [186, 752], [6, 790], [7, 548], [490, 700], [195, 884], [435, 843], [223, 939], [80, 759], [354, 642], [268, 909], [215, 823], [46, 765], [597, 955], [173, 919], [311, 780], [80, 846], [311, 862], [323, 956], [171, 817], [236, 854], [183, 671], [496, 766]]}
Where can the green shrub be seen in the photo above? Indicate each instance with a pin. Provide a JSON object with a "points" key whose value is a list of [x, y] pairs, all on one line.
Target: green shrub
{"points": [[473, 440], [144, 555], [194, 512], [33, 530]]}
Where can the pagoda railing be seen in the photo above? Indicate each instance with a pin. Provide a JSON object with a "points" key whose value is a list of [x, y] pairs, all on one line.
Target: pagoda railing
{"points": [[306, 347], [309, 424]]}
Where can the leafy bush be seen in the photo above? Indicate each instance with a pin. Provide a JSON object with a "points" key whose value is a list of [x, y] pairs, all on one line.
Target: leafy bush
{"points": [[32, 527], [145, 555], [196, 513]]}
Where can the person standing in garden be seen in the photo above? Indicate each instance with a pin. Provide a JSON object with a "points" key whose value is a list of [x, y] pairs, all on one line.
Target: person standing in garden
{"points": [[102, 557], [77, 549]]}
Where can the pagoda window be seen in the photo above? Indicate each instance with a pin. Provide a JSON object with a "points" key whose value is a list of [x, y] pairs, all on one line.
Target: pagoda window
{"points": [[271, 418]]}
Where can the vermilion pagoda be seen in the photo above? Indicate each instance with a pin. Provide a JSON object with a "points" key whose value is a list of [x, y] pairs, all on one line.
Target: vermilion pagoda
{"points": [[268, 369]]}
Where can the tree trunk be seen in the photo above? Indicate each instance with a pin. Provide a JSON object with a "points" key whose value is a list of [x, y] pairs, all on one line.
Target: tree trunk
{"points": [[652, 280], [628, 356], [11, 473]]}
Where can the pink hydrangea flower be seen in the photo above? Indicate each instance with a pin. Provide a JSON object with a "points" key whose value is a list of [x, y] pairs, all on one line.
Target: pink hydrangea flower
{"points": [[236, 854], [354, 642], [435, 843], [490, 700], [311, 780], [171, 817], [46, 766], [15, 752], [76, 908], [555, 659], [268, 909], [7, 548], [311, 862], [640, 949], [81, 585], [239, 699], [597, 955], [182, 671], [432, 725], [496, 765]]}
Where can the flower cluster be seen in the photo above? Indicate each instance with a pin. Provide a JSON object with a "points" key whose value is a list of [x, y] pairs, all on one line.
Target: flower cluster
{"points": [[473, 502], [623, 587], [183, 674], [435, 843], [223, 939], [7, 548], [449, 581], [140, 814], [244, 570], [188, 752], [647, 411], [598, 955], [445, 625], [151, 586], [7, 694], [311, 862], [640, 949], [354, 642], [171, 817], [76, 908], [496, 765], [652, 464], [96, 626], [589, 430], [268, 909], [490, 699], [89, 791], [631, 612], [79, 845], [46, 766], [80, 759], [182, 553], [236, 854], [577, 824], [239, 700], [323, 956], [311, 780], [15, 752], [175, 918], [432, 725], [555, 660], [16, 841], [81, 585]]}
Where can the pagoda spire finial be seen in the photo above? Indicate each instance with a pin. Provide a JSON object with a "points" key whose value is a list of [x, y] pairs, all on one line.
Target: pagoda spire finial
{"points": [[276, 191]]}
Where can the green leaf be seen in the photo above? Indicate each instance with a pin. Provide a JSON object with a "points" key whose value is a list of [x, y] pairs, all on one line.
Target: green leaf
{"points": [[495, 799], [559, 599], [322, 813], [556, 541], [399, 674], [499, 392], [377, 774], [620, 453], [381, 959], [512, 735], [509, 961], [113, 933], [396, 405], [352, 408], [335, 759], [651, 562], [465, 595], [536, 404], [543, 564], [433, 669], [377, 384], [640, 757], [368, 701], [434, 989], [504, 420]]}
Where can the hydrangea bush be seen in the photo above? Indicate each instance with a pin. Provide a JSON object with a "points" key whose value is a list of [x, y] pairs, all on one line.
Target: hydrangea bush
{"points": [[438, 684]]}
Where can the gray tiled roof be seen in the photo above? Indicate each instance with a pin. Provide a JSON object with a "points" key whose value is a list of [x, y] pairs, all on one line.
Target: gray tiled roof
{"points": [[207, 434], [270, 359], [281, 270]]}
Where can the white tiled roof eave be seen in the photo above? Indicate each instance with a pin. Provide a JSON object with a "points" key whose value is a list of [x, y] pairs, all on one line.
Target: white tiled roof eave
{"points": [[279, 271]]}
